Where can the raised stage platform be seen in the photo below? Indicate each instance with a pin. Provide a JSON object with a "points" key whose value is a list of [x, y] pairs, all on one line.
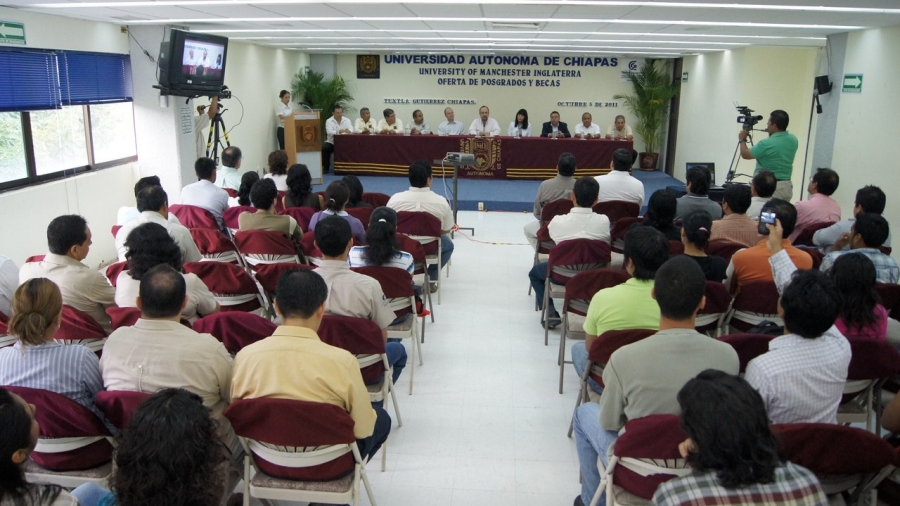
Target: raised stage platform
{"points": [[496, 195]]}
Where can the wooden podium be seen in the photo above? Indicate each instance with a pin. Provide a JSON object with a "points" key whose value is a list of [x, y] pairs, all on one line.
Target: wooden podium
{"points": [[303, 142]]}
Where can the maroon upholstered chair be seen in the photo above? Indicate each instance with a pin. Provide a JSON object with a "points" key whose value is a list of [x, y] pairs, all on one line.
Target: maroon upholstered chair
{"points": [[35, 258], [747, 346], [194, 217], [718, 302], [235, 329], [310, 250], [232, 286], [231, 192], [804, 238], [265, 247], [61, 417], [269, 274], [890, 298], [78, 327], [567, 259], [872, 363], [363, 214], [115, 230], [128, 316], [676, 248], [426, 229], [5, 338], [619, 229], [615, 210], [230, 216], [548, 212], [375, 198], [723, 248], [420, 273], [214, 245], [113, 271], [303, 215], [279, 202], [756, 301], [119, 405]]}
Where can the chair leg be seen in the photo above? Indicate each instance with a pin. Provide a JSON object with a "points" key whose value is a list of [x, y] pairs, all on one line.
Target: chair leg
{"points": [[562, 352], [391, 390], [582, 395], [384, 456], [544, 315], [246, 480], [365, 479], [412, 366]]}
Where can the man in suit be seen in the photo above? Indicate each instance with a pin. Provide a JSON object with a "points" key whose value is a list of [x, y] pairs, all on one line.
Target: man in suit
{"points": [[555, 128]]}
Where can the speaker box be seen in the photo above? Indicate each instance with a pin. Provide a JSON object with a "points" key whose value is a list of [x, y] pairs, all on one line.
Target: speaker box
{"points": [[823, 86]]}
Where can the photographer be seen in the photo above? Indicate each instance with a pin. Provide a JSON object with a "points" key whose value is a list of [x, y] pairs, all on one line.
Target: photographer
{"points": [[775, 153]]}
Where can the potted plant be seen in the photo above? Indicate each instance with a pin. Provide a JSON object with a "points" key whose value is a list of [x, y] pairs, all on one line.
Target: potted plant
{"points": [[314, 90], [653, 88]]}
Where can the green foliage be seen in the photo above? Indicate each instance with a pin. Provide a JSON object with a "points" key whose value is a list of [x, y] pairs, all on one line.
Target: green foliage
{"points": [[318, 92], [649, 102]]}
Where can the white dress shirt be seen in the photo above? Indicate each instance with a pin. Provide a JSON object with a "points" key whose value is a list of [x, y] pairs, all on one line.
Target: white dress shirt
{"points": [[127, 214], [361, 125], [478, 127], [455, 128], [620, 185], [579, 223], [282, 109], [756, 205], [9, 282], [397, 127], [228, 177], [425, 200], [594, 129], [332, 127], [513, 130], [179, 233], [201, 301], [280, 181], [422, 128], [206, 195]]}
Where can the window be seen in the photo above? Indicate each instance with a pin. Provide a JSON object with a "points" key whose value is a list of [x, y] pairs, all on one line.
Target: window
{"points": [[58, 138], [112, 131], [12, 148]]}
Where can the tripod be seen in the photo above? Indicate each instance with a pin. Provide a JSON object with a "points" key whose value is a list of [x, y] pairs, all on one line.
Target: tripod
{"points": [[214, 140], [735, 160]]}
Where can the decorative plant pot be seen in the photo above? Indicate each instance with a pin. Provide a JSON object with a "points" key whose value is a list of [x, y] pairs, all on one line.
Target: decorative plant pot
{"points": [[648, 161]]}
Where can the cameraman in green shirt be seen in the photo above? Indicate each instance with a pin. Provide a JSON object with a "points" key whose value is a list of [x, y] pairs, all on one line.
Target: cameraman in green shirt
{"points": [[775, 153]]}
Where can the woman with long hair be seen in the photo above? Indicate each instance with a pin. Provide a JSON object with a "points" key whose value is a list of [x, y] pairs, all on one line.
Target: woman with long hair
{"points": [[243, 196], [17, 439], [382, 248], [661, 214], [299, 192], [278, 164], [695, 237], [861, 315], [148, 246], [336, 196], [356, 192], [520, 127], [37, 359]]}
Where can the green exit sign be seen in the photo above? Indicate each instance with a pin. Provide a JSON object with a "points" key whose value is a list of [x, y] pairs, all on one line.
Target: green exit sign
{"points": [[852, 83], [12, 33]]}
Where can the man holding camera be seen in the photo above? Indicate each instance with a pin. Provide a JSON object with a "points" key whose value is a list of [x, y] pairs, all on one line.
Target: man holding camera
{"points": [[775, 153]]}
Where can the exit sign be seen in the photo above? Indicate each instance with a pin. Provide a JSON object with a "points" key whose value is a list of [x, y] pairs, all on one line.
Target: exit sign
{"points": [[12, 33], [852, 83]]}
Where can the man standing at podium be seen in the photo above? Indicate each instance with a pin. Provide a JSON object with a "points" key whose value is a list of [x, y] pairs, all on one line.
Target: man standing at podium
{"points": [[484, 125], [336, 124]]}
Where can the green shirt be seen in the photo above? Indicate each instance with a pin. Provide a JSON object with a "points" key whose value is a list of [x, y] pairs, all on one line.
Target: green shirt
{"points": [[625, 306], [776, 154]]}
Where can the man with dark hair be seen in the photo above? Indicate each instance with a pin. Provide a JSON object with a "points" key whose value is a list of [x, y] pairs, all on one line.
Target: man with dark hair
{"points": [[364, 123], [228, 176], [552, 189], [126, 214], [419, 126], [697, 181], [761, 189], [484, 125], [153, 203], [351, 293], [644, 378], [84, 288], [752, 264], [819, 207], [868, 231], [269, 368], [337, 124], [555, 128], [390, 124], [775, 153], [204, 193], [733, 454], [869, 199], [580, 223], [419, 197], [159, 352], [802, 376], [263, 194], [618, 184], [736, 226]]}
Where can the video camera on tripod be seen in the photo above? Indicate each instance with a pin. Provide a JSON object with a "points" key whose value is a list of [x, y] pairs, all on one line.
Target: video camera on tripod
{"points": [[747, 119]]}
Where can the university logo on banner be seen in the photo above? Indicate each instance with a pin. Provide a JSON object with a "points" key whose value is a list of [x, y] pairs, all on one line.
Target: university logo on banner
{"points": [[368, 66], [487, 156]]}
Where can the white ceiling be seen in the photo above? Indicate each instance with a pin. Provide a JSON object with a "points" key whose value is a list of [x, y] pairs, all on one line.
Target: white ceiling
{"points": [[664, 28]]}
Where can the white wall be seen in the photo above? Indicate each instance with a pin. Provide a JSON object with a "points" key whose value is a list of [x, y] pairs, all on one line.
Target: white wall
{"points": [[764, 79], [57, 32]]}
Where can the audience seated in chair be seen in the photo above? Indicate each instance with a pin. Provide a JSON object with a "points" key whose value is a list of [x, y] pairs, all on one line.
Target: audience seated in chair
{"points": [[869, 199], [866, 234], [204, 193], [695, 231], [762, 187], [9, 281], [17, 439], [263, 196], [243, 192], [159, 352], [173, 422], [736, 225], [382, 248], [419, 197], [299, 192], [819, 207], [148, 246], [580, 223], [735, 457], [83, 288], [228, 176], [278, 161], [560, 187], [660, 214], [268, 368], [356, 192], [629, 305], [128, 214], [618, 184], [861, 314], [336, 196], [351, 293], [752, 264], [697, 183], [643, 378], [802, 377], [37, 360], [153, 203]]}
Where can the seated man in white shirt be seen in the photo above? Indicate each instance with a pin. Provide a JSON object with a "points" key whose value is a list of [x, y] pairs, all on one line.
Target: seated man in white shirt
{"points": [[84, 288], [204, 193], [580, 223], [618, 184], [419, 125], [228, 176], [337, 124], [451, 126], [419, 197], [586, 129], [127, 214], [390, 124], [364, 123], [802, 376], [484, 125], [153, 204], [869, 199]]}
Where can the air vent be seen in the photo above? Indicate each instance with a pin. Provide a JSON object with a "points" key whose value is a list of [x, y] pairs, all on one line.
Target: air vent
{"points": [[281, 24], [515, 26], [130, 18]]}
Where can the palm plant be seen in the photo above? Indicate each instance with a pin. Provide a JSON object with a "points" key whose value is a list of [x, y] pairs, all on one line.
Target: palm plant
{"points": [[313, 89], [649, 103]]}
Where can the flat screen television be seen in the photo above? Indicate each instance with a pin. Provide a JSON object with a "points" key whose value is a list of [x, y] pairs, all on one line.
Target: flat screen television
{"points": [[192, 63]]}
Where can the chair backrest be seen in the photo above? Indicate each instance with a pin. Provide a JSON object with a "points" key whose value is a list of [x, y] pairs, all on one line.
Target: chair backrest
{"points": [[356, 335], [804, 238], [61, 417], [582, 287], [269, 274], [265, 246], [555, 208], [617, 209], [833, 450], [619, 228], [723, 248], [309, 248], [758, 297], [890, 297], [718, 301], [230, 216], [363, 214], [414, 248], [418, 223], [77, 325], [872, 359], [396, 284], [123, 316], [119, 405], [747, 346], [295, 425], [214, 244], [235, 329], [115, 230], [676, 248], [227, 281], [193, 216], [35, 258], [231, 192], [649, 440], [303, 215], [113, 271], [608, 342], [375, 198], [570, 257], [279, 202]]}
